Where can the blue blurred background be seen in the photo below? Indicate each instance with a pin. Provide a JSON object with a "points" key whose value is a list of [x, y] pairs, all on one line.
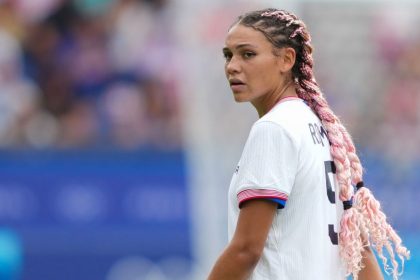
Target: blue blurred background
{"points": [[119, 134]]}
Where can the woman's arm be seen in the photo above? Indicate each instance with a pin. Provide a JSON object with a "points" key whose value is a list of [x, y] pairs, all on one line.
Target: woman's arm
{"points": [[244, 251], [371, 270]]}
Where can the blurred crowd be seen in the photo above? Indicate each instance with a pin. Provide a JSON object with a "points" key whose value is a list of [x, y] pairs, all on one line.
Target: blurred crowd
{"points": [[88, 73], [399, 123], [367, 60], [103, 73]]}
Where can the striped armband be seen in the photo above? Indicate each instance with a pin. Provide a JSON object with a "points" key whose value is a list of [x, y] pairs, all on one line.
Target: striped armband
{"points": [[273, 195]]}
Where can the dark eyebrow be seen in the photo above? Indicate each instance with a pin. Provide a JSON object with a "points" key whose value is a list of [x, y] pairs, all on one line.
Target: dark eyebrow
{"points": [[225, 49]]}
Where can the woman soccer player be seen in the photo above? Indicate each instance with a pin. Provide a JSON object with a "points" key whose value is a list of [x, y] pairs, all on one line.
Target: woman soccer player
{"points": [[298, 209]]}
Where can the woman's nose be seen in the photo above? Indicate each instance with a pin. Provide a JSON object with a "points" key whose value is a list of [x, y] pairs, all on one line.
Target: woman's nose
{"points": [[232, 66]]}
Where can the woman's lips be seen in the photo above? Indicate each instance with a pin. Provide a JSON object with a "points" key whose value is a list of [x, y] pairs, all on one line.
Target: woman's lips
{"points": [[237, 87]]}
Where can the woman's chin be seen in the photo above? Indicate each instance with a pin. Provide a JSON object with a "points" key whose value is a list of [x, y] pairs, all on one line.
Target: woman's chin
{"points": [[239, 97]]}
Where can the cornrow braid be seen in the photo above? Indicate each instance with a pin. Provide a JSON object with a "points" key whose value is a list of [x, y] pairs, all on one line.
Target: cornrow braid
{"points": [[363, 223]]}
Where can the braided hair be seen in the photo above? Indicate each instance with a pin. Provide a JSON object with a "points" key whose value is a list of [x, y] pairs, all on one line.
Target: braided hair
{"points": [[363, 223]]}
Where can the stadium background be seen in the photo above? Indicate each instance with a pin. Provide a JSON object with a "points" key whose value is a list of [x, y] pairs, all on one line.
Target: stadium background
{"points": [[119, 134]]}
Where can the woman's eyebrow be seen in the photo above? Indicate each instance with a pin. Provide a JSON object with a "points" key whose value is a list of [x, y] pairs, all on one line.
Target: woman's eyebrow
{"points": [[244, 45]]}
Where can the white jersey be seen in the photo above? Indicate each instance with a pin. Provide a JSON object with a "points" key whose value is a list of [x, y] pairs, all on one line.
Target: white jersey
{"points": [[287, 159]]}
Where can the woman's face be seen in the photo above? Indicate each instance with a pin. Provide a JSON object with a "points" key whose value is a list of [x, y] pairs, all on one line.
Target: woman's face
{"points": [[252, 68]]}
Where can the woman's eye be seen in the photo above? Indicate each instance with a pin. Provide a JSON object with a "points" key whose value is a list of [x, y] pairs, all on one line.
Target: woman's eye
{"points": [[249, 54], [227, 56]]}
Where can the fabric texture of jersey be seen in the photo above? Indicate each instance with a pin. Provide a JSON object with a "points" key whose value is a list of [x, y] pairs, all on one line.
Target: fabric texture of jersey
{"points": [[287, 159]]}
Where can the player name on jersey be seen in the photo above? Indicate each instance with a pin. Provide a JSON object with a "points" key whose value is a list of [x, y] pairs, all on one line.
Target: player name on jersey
{"points": [[319, 134]]}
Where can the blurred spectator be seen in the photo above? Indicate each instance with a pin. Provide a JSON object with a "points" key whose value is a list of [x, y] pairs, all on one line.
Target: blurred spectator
{"points": [[104, 72], [18, 97], [124, 109], [400, 123], [10, 21], [399, 51]]}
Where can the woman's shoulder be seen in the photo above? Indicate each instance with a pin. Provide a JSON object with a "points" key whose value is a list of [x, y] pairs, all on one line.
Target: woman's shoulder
{"points": [[266, 129], [293, 112], [291, 118]]}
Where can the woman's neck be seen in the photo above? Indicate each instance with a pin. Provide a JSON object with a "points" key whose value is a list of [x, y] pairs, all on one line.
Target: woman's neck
{"points": [[289, 90]]}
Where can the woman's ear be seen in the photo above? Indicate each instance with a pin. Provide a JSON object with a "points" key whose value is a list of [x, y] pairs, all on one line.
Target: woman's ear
{"points": [[288, 59]]}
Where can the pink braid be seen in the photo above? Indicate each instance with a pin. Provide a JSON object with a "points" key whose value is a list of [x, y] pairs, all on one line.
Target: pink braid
{"points": [[352, 225], [352, 229], [381, 233], [356, 166], [365, 222]]}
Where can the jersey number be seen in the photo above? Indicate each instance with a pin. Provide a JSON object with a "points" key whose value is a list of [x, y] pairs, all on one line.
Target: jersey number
{"points": [[330, 168]]}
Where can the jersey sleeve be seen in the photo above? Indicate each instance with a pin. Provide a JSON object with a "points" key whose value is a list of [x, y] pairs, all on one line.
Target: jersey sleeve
{"points": [[268, 164]]}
